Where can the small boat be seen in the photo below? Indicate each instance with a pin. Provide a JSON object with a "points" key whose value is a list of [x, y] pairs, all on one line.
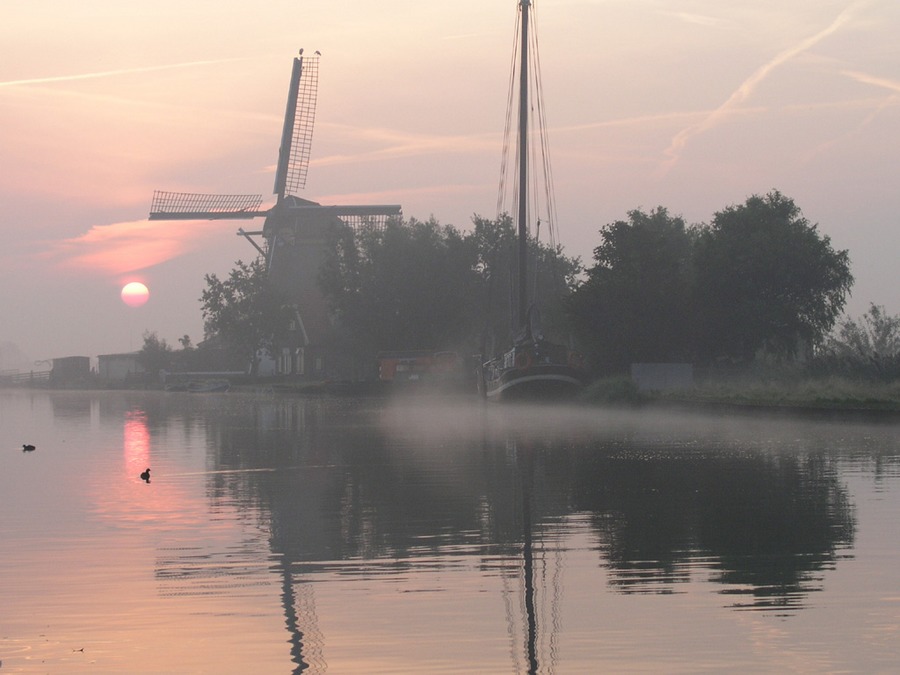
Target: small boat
{"points": [[534, 367]]}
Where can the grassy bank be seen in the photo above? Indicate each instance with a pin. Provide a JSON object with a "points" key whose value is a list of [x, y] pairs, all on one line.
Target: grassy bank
{"points": [[795, 392]]}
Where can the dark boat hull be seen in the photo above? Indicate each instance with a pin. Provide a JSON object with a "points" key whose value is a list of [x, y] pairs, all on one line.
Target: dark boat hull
{"points": [[538, 382]]}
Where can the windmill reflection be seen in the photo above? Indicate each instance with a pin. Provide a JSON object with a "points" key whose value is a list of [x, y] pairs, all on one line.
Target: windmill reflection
{"points": [[298, 601]]}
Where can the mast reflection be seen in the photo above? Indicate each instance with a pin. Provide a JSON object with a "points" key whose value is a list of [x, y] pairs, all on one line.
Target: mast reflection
{"points": [[326, 481]]}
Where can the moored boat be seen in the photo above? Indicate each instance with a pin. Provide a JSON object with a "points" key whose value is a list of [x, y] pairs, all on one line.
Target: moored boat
{"points": [[534, 367]]}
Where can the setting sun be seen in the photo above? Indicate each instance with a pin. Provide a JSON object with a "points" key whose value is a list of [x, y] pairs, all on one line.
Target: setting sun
{"points": [[135, 294]]}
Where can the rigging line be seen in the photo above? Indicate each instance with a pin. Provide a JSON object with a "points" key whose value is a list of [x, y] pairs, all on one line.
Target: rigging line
{"points": [[504, 157], [544, 132], [548, 210], [534, 205], [536, 265], [538, 174]]}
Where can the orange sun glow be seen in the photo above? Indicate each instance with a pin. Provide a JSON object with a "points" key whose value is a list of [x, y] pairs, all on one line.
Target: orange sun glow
{"points": [[135, 294]]}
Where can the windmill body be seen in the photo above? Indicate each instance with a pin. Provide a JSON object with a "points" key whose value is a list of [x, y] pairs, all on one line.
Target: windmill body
{"points": [[295, 232]]}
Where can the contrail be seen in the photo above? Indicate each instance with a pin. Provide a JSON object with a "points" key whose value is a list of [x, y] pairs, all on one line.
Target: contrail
{"points": [[112, 73], [673, 152], [883, 82]]}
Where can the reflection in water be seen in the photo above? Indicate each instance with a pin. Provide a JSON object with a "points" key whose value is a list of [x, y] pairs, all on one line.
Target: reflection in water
{"points": [[765, 525], [71, 406], [136, 444], [525, 461], [347, 488]]}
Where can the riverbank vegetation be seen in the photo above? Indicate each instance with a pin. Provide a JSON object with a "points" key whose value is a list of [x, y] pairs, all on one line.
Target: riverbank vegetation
{"points": [[800, 391], [786, 390], [753, 300]]}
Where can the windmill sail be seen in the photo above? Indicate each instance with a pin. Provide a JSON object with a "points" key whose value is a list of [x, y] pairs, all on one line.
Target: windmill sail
{"points": [[296, 137], [193, 206]]}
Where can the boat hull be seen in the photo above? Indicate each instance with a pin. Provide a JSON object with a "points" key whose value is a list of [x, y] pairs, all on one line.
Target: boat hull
{"points": [[540, 382]]}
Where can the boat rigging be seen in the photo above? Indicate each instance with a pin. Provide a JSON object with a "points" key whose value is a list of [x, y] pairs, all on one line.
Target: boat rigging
{"points": [[534, 367]]}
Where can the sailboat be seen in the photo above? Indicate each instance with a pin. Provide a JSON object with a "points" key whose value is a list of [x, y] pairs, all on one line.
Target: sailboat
{"points": [[534, 367]]}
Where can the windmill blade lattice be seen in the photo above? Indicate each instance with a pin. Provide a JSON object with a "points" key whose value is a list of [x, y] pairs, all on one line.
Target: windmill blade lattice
{"points": [[300, 116], [193, 206]]}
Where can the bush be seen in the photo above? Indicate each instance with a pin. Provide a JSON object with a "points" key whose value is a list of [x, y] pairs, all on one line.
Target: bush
{"points": [[614, 390]]}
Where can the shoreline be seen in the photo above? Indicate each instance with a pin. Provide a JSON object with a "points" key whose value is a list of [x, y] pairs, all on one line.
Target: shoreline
{"points": [[883, 412], [733, 401]]}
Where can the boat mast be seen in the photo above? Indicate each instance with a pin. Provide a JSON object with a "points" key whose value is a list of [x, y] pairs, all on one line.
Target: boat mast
{"points": [[523, 167]]}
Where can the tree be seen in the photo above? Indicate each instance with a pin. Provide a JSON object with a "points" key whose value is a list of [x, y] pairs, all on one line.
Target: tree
{"points": [[870, 346], [156, 354], [636, 302], [244, 312], [404, 286], [552, 278], [420, 285], [766, 281]]}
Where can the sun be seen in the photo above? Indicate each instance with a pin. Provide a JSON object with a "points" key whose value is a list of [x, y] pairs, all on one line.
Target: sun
{"points": [[135, 294]]}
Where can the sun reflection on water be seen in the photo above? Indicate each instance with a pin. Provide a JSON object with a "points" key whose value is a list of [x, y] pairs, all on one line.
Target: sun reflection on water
{"points": [[136, 444]]}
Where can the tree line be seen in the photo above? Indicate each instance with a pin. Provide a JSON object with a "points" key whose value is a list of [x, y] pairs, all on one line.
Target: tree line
{"points": [[758, 280]]}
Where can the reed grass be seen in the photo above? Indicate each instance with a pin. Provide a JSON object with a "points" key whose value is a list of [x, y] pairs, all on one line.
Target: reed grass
{"points": [[813, 392], [787, 390]]}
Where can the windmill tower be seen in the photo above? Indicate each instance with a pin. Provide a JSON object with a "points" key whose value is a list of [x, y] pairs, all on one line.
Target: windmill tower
{"points": [[295, 230]]}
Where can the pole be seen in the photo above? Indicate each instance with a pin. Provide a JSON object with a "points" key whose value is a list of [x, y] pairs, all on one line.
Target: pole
{"points": [[523, 168]]}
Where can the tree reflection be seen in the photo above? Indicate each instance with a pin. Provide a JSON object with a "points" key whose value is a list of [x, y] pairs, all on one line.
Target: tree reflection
{"points": [[763, 525], [330, 488]]}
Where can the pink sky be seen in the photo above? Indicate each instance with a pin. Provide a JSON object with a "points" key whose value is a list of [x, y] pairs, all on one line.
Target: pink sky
{"points": [[689, 104]]}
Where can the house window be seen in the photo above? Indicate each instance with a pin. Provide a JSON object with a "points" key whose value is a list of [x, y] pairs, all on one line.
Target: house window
{"points": [[284, 361]]}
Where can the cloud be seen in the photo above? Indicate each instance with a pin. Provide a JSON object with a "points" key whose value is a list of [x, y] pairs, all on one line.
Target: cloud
{"points": [[876, 109], [400, 144], [113, 73], [638, 121], [399, 195], [748, 86], [698, 19], [129, 246]]}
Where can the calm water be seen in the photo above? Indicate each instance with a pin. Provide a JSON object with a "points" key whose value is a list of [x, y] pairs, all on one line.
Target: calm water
{"points": [[283, 535]]}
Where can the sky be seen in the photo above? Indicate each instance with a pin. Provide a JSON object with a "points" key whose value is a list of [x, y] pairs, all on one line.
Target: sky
{"points": [[693, 105]]}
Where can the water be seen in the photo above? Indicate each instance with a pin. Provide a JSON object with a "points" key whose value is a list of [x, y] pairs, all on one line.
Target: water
{"points": [[284, 535]]}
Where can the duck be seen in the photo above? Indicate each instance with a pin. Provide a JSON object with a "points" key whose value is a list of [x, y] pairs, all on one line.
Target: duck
{"points": [[145, 476], [27, 447]]}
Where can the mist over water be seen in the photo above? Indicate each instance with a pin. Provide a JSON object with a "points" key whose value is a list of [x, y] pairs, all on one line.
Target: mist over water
{"points": [[465, 421], [424, 534]]}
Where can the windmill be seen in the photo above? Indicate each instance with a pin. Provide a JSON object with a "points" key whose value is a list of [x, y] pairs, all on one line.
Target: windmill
{"points": [[295, 230]]}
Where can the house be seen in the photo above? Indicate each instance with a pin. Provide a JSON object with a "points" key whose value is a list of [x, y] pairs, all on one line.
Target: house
{"points": [[119, 367], [69, 370]]}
